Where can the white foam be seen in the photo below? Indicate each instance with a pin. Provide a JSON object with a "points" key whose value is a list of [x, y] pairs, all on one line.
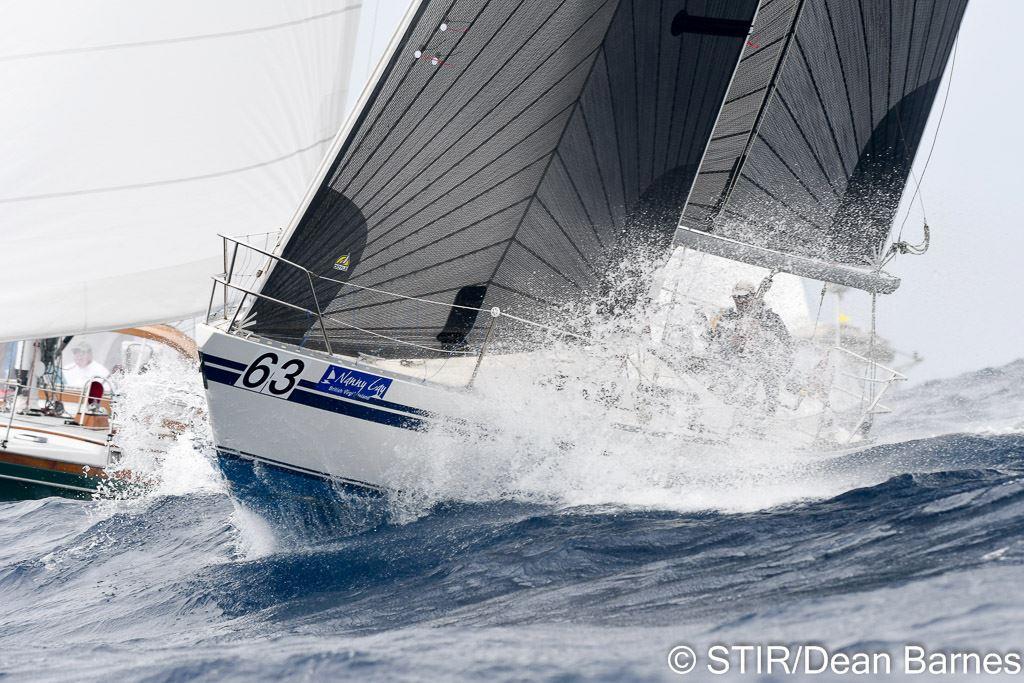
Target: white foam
{"points": [[163, 433], [550, 439], [255, 538]]}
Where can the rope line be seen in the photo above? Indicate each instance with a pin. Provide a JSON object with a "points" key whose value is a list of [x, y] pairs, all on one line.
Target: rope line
{"points": [[899, 246], [817, 316], [494, 311]]}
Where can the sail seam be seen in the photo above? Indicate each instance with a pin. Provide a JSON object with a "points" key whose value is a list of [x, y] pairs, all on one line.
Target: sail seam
{"points": [[387, 232], [657, 90], [576, 191], [636, 82], [737, 99], [920, 63], [824, 110], [732, 135], [778, 199], [488, 139], [171, 181], [675, 97], [842, 71], [703, 103], [689, 102], [597, 165], [867, 60], [551, 157], [180, 39], [552, 268], [944, 51], [888, 70], [468, 99], [515, 291], [810, 147], [561, 229], [472, 225], [615, 124], [771, 91], [910, 46], [791, 171], [754, 53]]}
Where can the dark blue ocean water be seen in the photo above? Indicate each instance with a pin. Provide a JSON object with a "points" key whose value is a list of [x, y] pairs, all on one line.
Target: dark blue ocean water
{"points": [[185, 585]]}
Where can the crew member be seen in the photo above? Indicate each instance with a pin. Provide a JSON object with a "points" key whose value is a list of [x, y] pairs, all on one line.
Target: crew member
{"points": [[83, 368], [751, 343]]}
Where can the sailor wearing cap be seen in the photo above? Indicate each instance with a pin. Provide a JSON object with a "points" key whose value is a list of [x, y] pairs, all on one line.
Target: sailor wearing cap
{"points": [[83, 367], [752, 344]]}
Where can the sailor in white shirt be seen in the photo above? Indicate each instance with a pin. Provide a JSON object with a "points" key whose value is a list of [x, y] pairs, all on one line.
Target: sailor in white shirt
{"points": [[84, 367]]}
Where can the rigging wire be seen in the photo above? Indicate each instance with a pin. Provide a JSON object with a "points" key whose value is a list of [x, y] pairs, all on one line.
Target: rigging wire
{"points": [[817, 316], [918, 195]]}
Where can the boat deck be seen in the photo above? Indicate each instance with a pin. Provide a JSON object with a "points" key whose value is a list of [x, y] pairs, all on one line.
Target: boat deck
{"points": [[58, 425]]}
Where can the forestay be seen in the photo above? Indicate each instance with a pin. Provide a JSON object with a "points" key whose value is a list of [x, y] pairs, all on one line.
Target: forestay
{"points": [[133, 132], [818, 132], [506, 150]]}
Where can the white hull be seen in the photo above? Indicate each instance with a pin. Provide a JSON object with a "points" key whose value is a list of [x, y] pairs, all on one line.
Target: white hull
{"points": [[293, 419], [353, 421]]}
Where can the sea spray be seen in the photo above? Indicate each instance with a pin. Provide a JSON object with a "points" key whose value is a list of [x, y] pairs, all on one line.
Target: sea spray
{"points": [[162, 432], [546, 427]]}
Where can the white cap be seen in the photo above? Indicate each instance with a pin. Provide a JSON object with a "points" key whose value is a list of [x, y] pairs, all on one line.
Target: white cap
{"points": [[744, 288], [81, 345]]}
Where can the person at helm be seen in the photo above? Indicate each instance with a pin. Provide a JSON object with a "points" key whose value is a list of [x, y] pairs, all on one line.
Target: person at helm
{"points": [[82, 368], [752, 345]]}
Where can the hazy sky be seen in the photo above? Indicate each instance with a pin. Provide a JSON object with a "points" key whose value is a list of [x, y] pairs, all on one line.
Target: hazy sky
{"points": [[959, 305]]}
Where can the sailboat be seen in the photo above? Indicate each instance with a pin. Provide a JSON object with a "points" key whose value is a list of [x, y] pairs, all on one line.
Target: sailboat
{"points": [[58, 426], [130, 139], [507, 156]]}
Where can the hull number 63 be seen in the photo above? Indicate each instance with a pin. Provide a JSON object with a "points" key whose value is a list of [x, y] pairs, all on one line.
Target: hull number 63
{"points": [[265, 375]]}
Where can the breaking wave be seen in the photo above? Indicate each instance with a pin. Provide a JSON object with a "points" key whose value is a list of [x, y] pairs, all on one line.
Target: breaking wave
{"points": [[518, 554]]}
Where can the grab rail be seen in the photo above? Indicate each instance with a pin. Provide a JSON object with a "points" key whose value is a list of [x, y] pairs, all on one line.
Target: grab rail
{"points": [[311, 275], [18, 387], [896, 374], [231, 258], [83, 396]]}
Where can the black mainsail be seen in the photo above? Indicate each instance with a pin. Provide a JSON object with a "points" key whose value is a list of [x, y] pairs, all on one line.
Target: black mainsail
{"points": [[807, 164], [511, 152], [505, 150]]}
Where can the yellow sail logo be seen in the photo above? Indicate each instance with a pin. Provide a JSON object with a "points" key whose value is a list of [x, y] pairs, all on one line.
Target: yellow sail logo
{"points": [[342, 263]]}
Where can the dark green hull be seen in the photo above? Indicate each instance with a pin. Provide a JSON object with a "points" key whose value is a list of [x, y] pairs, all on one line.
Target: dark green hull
{"points": [[24, 482]]}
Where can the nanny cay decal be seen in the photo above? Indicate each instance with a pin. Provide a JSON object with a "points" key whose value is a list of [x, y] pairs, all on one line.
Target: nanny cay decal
{"points": [[353, 384]]}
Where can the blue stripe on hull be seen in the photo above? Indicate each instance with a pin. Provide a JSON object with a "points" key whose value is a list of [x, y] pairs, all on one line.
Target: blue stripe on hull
{"points": [[333, 405], [355, 410], [217, 360], [306, 384], [219, 375], [359, 409]]}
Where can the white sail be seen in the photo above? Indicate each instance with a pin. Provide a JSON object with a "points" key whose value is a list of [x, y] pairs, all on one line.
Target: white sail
{"points": [[134, 131]]}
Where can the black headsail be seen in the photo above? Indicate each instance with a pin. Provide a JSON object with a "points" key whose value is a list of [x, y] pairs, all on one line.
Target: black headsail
{"points": [[505, 150], [812, 152]]}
